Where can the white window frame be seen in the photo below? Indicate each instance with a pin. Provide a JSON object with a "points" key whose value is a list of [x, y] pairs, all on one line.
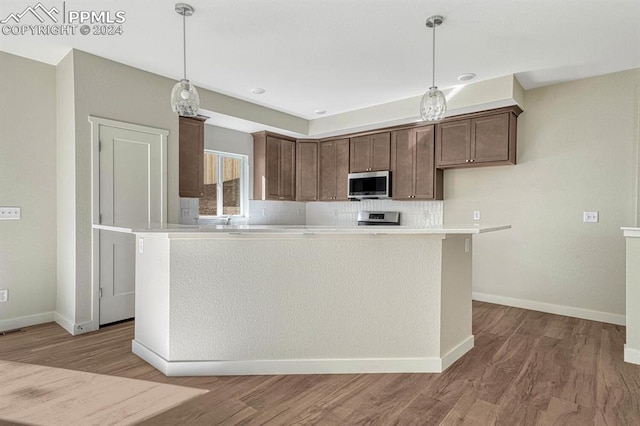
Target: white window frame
{"points": [[244, 184]]}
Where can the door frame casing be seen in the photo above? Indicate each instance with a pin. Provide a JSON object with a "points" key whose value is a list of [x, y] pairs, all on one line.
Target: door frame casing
{"points": [[96, 123]]}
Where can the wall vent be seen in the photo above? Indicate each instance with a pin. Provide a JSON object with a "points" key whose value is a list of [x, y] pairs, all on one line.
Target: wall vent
{"points": [[17, 330]]}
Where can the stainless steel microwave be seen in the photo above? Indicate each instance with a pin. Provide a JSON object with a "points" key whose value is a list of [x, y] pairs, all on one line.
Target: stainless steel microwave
{"points": [[370, 185]]}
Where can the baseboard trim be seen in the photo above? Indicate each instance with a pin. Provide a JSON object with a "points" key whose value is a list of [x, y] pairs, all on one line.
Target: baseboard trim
{"points": [[26, 321], [631, 355], [63, 322], [550, 308], [74, 329], [300, 366], [457, 353]]}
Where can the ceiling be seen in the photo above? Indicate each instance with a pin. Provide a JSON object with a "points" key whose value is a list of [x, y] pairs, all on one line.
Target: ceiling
{"points": [[344, 55]]}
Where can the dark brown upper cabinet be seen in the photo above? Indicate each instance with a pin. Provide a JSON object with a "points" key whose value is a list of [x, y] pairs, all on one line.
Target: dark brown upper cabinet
{"points": [[370, 152], [414, 175], [274, 167], [307, 170], [191, 156], [479, 139], [334, 170]]}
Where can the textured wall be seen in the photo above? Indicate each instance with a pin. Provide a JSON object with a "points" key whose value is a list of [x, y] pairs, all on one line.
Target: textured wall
{"points": [[577, 151], [28, 180], [304, 298]]}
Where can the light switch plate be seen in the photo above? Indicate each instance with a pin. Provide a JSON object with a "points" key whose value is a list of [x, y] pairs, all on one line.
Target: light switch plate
{"points": [[476, 215], [4, 295], [9, 213], [590, 217]]}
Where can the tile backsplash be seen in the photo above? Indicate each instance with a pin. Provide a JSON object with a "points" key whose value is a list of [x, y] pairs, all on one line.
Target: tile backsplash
{"points": [[276, 213], [416, 214]]}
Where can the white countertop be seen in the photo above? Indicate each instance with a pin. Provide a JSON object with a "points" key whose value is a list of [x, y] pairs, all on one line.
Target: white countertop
{"points": [[185, 231], [630, 231]]}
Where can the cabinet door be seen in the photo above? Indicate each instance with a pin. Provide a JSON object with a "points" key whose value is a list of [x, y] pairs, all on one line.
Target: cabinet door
{"points": [[191, 157], [307, 171], [424, 163], [272, 168], [360, 154], [328, 171], [342, 169], [287, 170], [403, 168], [380, 151], [490, 136], [453, 143]]}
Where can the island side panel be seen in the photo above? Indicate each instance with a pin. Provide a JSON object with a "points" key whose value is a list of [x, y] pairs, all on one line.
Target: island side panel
{"points": [[152, 293], [456, 337], [305, 297], [632, 347]]}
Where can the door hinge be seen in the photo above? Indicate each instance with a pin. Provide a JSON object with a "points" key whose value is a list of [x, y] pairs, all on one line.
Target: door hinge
{"points": [[100, 146], [100, 293], [100, 219]]}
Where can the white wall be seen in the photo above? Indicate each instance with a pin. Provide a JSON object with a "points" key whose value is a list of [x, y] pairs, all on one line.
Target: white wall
{"points": [[28, 180], [577, 151], [66, 193]]}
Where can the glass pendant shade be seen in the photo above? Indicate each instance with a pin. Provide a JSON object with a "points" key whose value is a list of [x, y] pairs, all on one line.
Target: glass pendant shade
{"points": [[184, 99], [433, 106]]}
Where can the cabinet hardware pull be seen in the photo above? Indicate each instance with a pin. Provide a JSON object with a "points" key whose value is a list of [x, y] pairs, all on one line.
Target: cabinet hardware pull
{"points": [[472, 160], [466, 161]]}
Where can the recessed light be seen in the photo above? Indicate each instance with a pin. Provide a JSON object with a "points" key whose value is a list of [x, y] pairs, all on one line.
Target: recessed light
{"points": [[466, 76], [320, 111], [258, 91]]}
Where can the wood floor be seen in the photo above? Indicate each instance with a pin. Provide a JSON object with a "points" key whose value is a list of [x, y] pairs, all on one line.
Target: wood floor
{"points": [[527, 368]]}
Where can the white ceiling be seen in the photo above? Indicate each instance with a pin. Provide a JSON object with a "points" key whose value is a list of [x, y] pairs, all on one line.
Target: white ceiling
{"points": [[343, 55]]}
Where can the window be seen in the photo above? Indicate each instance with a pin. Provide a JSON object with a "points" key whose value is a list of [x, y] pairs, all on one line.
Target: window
{"points": [[230, 197]]}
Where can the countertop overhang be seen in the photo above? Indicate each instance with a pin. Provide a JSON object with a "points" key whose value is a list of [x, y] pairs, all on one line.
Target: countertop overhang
{"points": [[202, 231]]}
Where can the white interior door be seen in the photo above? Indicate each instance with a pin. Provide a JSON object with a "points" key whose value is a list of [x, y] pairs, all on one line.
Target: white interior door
{"points": [[132, 194]]}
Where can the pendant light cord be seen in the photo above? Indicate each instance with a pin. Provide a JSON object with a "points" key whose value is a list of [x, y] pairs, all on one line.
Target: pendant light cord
{"points": [[433, 62], [184, 44]]}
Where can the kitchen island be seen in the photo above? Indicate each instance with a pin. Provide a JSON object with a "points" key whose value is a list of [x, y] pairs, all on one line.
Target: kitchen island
{"points": [[303, 300]]}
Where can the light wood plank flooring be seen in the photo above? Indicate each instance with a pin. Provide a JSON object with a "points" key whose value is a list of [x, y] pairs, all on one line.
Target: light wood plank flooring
{"points": [[527, 368]]}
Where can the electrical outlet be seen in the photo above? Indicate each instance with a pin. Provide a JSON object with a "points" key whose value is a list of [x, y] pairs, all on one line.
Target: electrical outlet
{"points": [[476, 215], [467, 245], [9, 213], [590, 217], [185, 213], [141, 245], [4, 296]]}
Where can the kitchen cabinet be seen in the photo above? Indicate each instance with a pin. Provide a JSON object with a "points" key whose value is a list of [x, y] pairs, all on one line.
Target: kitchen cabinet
{"points": [[274, 167], [191, 156], [307, 170], [334, 170], [414, 175], [480, 139], [370, 152]]}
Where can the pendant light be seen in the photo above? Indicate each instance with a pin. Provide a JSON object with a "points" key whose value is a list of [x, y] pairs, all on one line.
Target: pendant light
{"points": [[184, 96], [433, 106]]}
